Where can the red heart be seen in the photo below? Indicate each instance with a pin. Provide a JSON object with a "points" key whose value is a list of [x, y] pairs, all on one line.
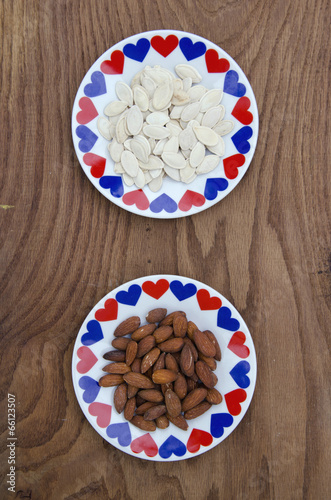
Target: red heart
{"points": [[198, 438], [109, 312], [155, 290], [206, 302], [231, 165], [164, 46], [233, 400], [236, 345], [88, 359], [145, 443], [102, 412], [191, 198], [138, 198], [240, 111], [88, 111], [97, 163], [214, 64], [115, 65]]}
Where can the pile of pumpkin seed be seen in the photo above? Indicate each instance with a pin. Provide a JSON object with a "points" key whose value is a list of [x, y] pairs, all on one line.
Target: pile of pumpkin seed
{"points": [[164, 125]]}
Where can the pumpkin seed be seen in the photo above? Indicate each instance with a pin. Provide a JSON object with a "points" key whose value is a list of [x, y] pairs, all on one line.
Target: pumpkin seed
{"points": [[185, 70], [157, 118], [124, 92], [211, 98], [134, 120], [190, 111], [174, 160], [115, 150], [224, 127], [140, 97], [104, 127], [156, 131], [115, 108], [206, 135], [209, 163], [197, 155], [129, 163]]}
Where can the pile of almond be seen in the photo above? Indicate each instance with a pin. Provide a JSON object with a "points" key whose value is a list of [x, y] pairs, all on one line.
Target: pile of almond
{"points": [[163, 370]]}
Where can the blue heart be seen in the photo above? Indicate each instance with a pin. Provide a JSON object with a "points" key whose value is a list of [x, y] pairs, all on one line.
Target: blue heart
{"points": [[240, 139], [213, 186], [130, 297], [170, 446], [88, 138], [191, 50], [93, 334], [232, 86], [163, 202], [225, 321], [98, 85], [91, 388], [217, 423], [114, 183], [137, 52], [121, 432], [181, 291], [238, 373]]}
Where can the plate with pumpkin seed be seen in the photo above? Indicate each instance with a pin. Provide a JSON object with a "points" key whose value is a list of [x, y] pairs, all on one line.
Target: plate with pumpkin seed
{"points": [[165, 124], [164, 368]]}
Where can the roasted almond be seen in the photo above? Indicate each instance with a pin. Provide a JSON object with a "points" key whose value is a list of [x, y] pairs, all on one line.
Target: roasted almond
{"points": [[191, 327], [160, 362], [180, 325], [149, 359], [143, 331], [156, 315], [145, 425], [209, 361], [171, 363], [187, 361], [192, 347], [173, 403], [180, 386], [194, 398], [145, 345], [168, 320], [119, 368], [120, 343], [205, 374], [178, 421], [164, 376], [136, 365], [129, 408], [138, 380], [152, 395], [214, 397], [120, 397], [203, 344], [141, 409], [110, 380], [172, 345], [127, 326], [162, 333], [196, 411], [211, 336], [115, 356], [162, 422], [131, 352], [132, 391], [191, 384], [154, 412]]}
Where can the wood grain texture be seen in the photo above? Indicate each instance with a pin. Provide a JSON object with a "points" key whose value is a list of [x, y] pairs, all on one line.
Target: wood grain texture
{"points": [[266, 247]]}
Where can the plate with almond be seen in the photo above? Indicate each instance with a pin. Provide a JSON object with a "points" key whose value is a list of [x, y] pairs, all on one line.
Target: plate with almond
{"points": [[165, 124], [164, 368]]}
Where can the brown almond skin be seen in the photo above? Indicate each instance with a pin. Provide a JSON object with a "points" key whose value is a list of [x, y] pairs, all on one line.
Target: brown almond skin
{"points": [[194, 398], [149, 359], [191, 384], [172, 345], [162, 333], [127, 326], [178, 421], [132, 391], [160, 363], [203, 344], [164, 376], [131, 352], [196, 411], [192, 347], [191, 327], [136, 365], [120, 397], [129, 408], [171, 363], [141, 409], [120, 343], [211, 336], [155, 412], [118, 356], [187, 361], [156, 315], [138, 380], [162, 422], [168, 320], [152, 395], [214, 397], [165, 387], [173, 403], [119, 368], [145, 425], [180, 325], [110, 380], [145, 345], [205, 374], [209, 361], [180, 386], [143, 331]]}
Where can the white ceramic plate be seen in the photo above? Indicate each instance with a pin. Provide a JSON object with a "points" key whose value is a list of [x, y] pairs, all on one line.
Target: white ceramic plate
{"points": [[209, 310], [166, 48]]}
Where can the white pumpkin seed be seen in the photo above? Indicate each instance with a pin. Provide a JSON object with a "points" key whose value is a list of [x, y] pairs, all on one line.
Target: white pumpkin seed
{"points": [[151, 142], [211, 116], [219, 148], [206, 135], [156, 131], [162, 96], [174, 160], [140, 97], [178, 84], [104, 127], [209, 163], [187, 138], [174, 129], [128, 179], [224, 127], [118, 169], [121, 129], [124, 92], [171, 145], [149, 85], [127, 144], [115, 150], [148, 177], [156, 184], [134, 120], [195, 93], [187, 174], [185, 70], [180, 97], [174, 173], [155, 172], [139, 150], [136, 79], [210, 99], [115, 108], [158, 150], [139, 179], [190, 111], [129, 163], [187, 83], [186, 153], [197, 154], [176, 112], [157, 118]]}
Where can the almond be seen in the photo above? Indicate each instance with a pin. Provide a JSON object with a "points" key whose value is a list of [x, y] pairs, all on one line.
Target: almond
{"points": [[192, 347], [180, 386], [120, 397], [136, 365], [209, 361], [132, 391], [149, 359], [165, 387], [120, 343], [152, 395], [211, 336], [168, 320], [203, 344], [162, 422], [138, 380], [180, 325], [162, 333], [164, 376], [131, 352], [156, 315], [143, 331], [187, 361], [160, 363], [129, 408], [115, 356], [141, 410], [119, 368], [191, 327], [154, 412], [172, 345], [194, 398], [205, 374], [171, 363], [173, 403], [127, 326], [198, 410], [214, 397], [145, 345], [191, 384], [178, 421], [110, 380], [145, 425]]}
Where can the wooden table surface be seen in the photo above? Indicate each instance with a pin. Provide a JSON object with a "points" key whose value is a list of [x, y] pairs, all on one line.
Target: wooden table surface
{"points": [[266, 247]]}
